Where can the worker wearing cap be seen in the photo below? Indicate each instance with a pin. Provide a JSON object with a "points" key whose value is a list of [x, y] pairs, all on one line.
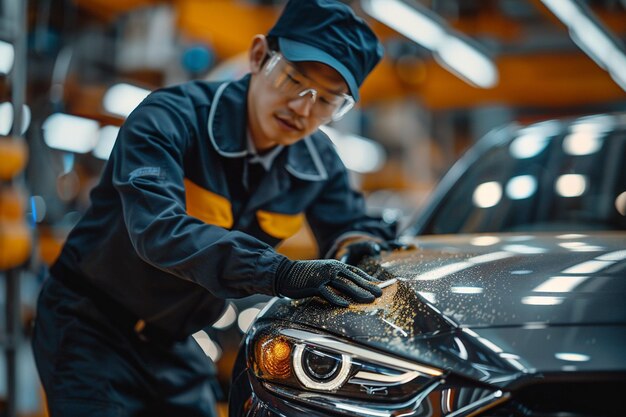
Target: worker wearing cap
{"points": [[205, 179]]}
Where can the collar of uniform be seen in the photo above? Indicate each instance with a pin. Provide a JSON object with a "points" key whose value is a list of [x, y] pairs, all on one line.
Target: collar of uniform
{"points": [[227, 132], [228, 118], [304, 161], [267, 159]]}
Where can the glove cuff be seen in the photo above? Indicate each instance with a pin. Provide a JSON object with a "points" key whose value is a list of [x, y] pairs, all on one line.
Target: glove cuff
{"points": [[282, 271]]}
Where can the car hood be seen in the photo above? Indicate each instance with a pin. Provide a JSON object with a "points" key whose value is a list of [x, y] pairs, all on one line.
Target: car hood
{"points": [[504, 280], [519, 300]]}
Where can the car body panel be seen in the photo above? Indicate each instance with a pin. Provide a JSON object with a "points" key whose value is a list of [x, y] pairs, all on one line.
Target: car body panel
{"points": [[553, 279], [537, 280], [530, 312], [519, 299]]}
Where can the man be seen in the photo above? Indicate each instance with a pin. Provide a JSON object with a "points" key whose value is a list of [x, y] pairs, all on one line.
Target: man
{"points": [[205, 178]]}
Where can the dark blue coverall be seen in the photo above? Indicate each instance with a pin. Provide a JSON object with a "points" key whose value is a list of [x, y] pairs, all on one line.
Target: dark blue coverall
{"points": [[171, 232]]}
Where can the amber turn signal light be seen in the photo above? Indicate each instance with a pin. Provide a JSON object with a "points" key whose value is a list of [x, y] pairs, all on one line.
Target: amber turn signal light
{"points": [[274, 357]]}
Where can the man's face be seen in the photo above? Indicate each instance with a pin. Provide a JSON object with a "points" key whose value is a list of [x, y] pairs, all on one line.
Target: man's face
{"points": [[277, 115]]}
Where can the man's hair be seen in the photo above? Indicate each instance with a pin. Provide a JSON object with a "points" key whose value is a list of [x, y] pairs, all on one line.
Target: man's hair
{"points": [[272, 44]]}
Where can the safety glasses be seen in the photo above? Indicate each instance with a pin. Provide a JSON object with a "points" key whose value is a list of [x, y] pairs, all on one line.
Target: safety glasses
{"points": [[287, 79]]}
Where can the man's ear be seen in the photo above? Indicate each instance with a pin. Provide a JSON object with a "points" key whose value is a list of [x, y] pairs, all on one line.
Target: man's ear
{"points": [[258, 51]]}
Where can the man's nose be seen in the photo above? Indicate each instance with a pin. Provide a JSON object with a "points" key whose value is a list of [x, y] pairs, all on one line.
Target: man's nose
{"points": [[303, 104]]}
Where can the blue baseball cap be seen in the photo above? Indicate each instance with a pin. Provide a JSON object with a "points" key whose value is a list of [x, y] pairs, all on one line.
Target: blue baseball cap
{"points": [[329, 32]]}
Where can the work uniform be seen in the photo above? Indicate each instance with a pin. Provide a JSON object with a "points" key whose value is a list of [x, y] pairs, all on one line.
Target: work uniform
{"points": [[177, 224]]}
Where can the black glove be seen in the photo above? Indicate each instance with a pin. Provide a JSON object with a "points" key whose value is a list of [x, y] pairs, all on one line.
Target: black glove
{"points": [[300, 279], [354, 253]]}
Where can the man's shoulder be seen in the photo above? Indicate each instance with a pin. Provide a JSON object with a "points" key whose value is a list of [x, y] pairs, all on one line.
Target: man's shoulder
{"points": [[320, 138], [325, 149], [189, 94], [322, 142]]}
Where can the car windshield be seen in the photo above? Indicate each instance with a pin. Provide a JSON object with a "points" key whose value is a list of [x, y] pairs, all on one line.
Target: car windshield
{"points": [[570, 180]]}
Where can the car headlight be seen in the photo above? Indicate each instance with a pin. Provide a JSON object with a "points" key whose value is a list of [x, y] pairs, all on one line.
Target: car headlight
{"points": [[302, 360], [319, 369]]}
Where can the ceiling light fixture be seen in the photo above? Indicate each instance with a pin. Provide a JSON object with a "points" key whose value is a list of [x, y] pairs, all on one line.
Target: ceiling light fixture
{"points": [[70, 133], [121, 99], [7, 56], [454, 51], [591, 36], [358, 153]]}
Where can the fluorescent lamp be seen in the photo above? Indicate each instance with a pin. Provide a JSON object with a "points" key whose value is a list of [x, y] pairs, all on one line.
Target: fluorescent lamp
{"points": [[560, 284], [411, 22], [565, 10], [484, 240], [540, 300], [571, 245], [359, 154], [70, 133], [489, 257], [592, 40], [468, 62], [7, 56], [528, 145], [582, 142], [531, 250], [443, 271], [423, 27], [572, 357], [586, 31], [521, 187], [571, 185], [571, 236], [121, 99], [6, 118], [521, 272], [487, 194], [466, 290], [588, 267], [617, 69], [616, 256], [588, 248], [106, 141]]}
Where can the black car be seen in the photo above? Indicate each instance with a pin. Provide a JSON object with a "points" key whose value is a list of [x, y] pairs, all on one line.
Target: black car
{"points": [[512, 302]]}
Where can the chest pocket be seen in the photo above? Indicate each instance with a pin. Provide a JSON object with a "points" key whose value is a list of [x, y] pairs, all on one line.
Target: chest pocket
{"points": [[278, 225], [209, 207]]}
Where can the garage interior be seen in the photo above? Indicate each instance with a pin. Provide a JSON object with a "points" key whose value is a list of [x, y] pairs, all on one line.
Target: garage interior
{"points": [[72, 70]]}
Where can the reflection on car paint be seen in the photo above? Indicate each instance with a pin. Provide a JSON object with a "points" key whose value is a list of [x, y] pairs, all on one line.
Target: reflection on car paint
{"points": [[516, 299]]}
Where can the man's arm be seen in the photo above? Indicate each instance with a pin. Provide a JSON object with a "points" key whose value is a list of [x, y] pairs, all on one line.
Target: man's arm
{"points": [[338, 215], [148, 176]]}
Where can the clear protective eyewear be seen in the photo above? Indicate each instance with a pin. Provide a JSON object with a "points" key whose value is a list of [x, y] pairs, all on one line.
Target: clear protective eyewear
{"points": [[287, 79]]}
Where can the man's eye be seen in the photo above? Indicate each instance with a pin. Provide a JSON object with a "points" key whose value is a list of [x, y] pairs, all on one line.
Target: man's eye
{"points": [[326, 101], [293, 80]]}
